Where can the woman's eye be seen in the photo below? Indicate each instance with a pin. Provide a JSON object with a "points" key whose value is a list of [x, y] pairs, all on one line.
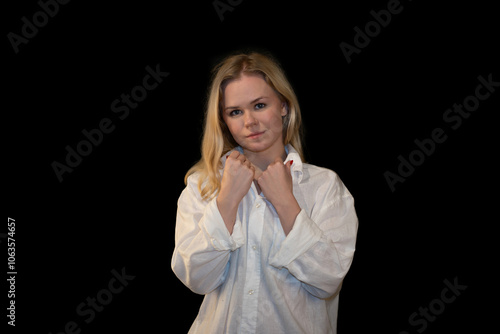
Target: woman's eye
{"points": [[259, 105], [235, 112]]}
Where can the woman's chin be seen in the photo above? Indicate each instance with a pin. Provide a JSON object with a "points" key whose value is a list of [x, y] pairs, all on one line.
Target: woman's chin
{"points": [[256, 146]]}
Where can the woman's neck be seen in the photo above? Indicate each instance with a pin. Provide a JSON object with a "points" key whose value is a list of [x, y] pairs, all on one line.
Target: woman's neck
{"points": [[262, 159]]}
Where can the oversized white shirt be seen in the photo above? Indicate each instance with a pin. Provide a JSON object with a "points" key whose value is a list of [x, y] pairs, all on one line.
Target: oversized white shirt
{"points": [[257, 280]]}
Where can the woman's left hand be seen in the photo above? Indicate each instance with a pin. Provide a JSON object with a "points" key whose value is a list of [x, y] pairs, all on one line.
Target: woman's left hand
{"points": [[276, 181], [277, 185]]}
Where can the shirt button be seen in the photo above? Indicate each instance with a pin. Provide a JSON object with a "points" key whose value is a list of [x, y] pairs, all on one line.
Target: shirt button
{"points": [[250, 292], [254, 247], [257, 205]]}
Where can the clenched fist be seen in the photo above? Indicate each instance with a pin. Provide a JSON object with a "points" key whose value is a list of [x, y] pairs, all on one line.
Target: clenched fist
{"points": [[236, 181], [277, 185], [237, 178]]}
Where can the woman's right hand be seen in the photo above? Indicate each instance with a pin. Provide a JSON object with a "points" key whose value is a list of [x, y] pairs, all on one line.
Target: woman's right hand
{"points": [[236, 181]]}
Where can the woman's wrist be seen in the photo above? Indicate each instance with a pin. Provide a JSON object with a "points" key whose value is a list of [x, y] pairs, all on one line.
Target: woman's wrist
{"points": [[227, 209], [287, 211]]}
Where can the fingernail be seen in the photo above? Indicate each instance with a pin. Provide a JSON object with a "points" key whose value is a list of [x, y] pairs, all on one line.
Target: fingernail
{"points": [[291, 162]]}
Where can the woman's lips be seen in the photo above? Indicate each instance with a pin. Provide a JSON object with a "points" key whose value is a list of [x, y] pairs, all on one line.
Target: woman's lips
{"points": [[254, 135]]}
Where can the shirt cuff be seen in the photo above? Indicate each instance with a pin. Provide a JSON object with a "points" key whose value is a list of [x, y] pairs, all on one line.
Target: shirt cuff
{"points": [[303, 235], [216, 230]]}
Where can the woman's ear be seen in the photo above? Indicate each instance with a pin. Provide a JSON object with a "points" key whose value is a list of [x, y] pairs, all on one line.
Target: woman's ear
{"points": [[284, 109]]}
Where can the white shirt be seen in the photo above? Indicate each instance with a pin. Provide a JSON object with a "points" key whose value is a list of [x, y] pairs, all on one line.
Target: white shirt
{"points": [[258, 280]]}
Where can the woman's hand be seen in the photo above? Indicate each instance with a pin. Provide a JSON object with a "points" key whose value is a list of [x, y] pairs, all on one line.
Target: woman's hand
{"points": [[236, 181], [276, 184]]}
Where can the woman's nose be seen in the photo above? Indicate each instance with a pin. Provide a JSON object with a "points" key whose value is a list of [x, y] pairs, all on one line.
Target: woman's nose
{"points": [[250, 119]]}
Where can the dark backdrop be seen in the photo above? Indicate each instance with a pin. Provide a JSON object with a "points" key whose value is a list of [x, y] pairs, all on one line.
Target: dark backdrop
{"points": [[116, 209]]}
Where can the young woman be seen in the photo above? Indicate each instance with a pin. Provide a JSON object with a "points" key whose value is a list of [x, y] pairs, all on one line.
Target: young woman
{"points": [[266, 237]]}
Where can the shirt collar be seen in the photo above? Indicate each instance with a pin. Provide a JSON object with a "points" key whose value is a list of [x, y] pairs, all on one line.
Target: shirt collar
{"points": [[292, 154], [297, 166]]}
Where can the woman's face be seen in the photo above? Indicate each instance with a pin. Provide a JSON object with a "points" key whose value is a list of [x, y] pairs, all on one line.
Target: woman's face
{"points": [[253, 113]]}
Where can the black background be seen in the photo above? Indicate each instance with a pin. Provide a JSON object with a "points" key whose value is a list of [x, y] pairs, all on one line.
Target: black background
{"points": [[117, 208]]}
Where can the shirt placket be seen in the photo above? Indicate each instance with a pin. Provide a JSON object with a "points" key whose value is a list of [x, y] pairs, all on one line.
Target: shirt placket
{"points": [[253, 277]]}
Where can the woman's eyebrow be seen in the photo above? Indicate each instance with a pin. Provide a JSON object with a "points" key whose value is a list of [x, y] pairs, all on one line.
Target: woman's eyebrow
{"points": [[251, 102]]}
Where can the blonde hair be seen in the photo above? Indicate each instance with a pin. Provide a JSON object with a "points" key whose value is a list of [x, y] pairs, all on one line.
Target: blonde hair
{"points": [[217, 140]]}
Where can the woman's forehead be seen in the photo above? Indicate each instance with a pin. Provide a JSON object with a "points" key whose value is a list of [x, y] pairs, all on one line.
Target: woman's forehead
{"points": [[246, 89]]}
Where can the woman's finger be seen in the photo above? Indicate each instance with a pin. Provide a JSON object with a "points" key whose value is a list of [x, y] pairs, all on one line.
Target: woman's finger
{"points": [[242, 157], [233, 155]]}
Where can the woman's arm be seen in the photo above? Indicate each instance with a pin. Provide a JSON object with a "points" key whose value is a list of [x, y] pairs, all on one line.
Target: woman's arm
{"points": [[236, 181], [277, 185], [319, 249], [202, 241]]}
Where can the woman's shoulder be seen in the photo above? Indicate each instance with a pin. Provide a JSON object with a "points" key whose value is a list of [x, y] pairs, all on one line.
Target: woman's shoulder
{"points": [[317, 172], [324, 179], [193, 177]]}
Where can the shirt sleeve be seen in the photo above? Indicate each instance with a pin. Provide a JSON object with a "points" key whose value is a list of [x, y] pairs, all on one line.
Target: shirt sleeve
{"points": [[202, 242], [319, 249]]}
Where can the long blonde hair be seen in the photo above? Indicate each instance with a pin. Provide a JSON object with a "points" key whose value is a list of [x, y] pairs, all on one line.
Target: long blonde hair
{"points": [[217, 140]]}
